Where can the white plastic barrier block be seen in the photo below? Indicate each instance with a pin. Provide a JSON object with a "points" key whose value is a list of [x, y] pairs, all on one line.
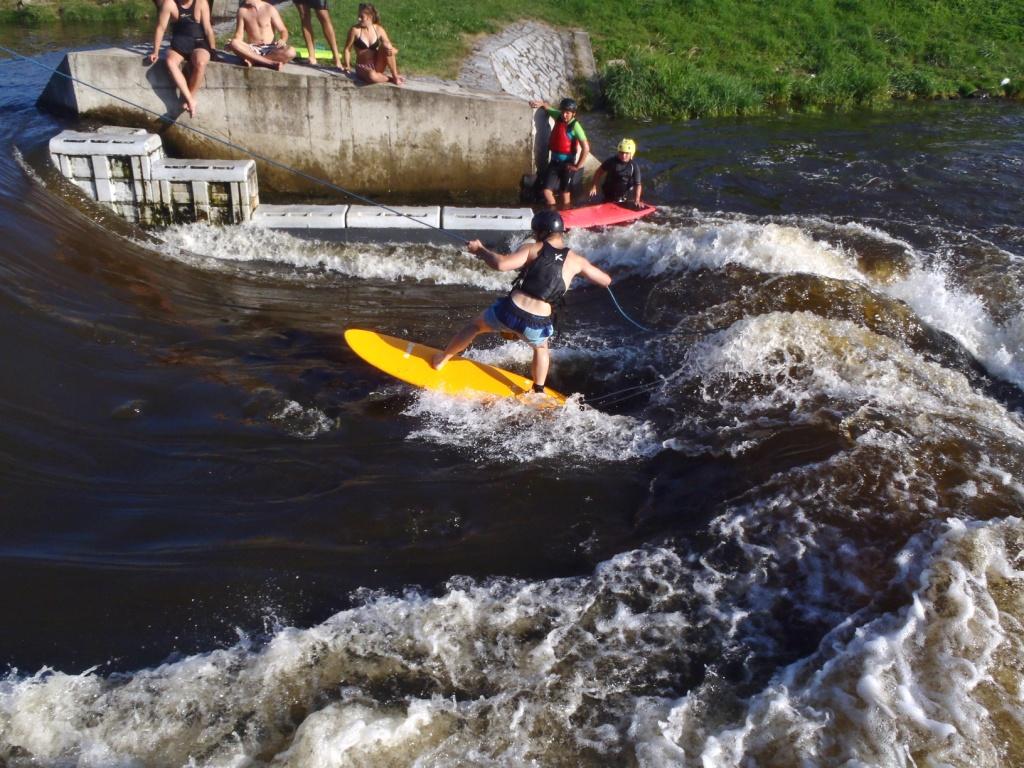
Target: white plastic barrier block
{"points": [[487, 219], [112, 167], [122, 129], [219, 191], [301, 216], [399, 217], [80, 143], [204, 170]]}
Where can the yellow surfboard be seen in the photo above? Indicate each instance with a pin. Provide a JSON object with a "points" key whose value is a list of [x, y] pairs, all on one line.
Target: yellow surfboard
{"points": [[410, 362]]}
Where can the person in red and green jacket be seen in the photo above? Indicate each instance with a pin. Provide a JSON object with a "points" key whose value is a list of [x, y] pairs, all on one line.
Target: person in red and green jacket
{"points": [[567, 139]]}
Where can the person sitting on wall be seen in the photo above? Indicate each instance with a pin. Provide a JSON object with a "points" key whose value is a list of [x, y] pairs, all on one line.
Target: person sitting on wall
{"points": [[623, 183], [374, 52], [257, 24], [192, 42], [567, 139], [305, 8]]}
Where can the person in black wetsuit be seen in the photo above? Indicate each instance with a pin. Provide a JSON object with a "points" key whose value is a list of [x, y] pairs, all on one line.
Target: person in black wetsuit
{"points": [[192, 42], [622, 182], [548, 268]]}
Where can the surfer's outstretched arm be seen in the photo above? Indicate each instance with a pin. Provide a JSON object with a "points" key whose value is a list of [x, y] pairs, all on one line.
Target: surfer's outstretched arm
{"points": [[596, 275], [503, 262]]}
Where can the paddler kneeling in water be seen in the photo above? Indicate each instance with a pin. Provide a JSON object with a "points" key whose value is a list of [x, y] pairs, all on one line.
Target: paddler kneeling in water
{"points": [[548, 268]]}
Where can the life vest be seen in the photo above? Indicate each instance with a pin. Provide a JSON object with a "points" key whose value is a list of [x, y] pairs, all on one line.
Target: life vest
{"points": [[560, 140], [542, 279]]}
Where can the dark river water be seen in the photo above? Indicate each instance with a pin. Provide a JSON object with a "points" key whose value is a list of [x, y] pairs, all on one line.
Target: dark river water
{"points": [[782, 529]]}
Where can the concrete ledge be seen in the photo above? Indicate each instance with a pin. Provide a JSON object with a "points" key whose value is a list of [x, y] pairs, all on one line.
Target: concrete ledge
{"points": [[330, 223], [400, 217], [302, 217], [487, 219], [104, 143], [204, 170], [427, 139]]}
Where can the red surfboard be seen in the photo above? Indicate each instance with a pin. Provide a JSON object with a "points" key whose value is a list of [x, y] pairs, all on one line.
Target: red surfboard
{"points": [[603, 215]]}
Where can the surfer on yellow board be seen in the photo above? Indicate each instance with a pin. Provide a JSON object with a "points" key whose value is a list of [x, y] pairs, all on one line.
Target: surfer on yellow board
{"points": [[548, 268]]}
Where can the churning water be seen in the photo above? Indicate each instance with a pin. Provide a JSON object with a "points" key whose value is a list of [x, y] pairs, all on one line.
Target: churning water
{"points": [[783, 529]]}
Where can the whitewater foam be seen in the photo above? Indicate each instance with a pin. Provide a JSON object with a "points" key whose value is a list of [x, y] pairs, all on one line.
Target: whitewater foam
{"points": [[509, 430], [783, 363], [210, 246], [715, 242]]}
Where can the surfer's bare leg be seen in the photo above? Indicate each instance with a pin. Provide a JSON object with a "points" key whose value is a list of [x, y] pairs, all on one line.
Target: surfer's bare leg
{"points": [[462, 340], [541, 362]]}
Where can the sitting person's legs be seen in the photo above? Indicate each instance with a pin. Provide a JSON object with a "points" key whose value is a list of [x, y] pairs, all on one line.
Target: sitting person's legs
{"points": [[368, 73], [200, 58], [175, 61], [267, 55], [386, 59]]}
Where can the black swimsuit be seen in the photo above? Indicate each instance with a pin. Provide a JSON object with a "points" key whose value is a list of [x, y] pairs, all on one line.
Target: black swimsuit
{"points": [[186, 33]]}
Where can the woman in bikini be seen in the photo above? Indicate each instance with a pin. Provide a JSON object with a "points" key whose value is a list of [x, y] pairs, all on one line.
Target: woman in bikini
{"points": [[374, 51], [192, 43]]}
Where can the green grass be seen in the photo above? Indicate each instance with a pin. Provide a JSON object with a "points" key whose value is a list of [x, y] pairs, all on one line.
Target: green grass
{"points": [[689, 58], [75, 12], [677, 59]]}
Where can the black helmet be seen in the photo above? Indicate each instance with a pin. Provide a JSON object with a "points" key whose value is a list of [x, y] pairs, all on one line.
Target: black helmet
{"points": [[568, 105], [547, 223]]}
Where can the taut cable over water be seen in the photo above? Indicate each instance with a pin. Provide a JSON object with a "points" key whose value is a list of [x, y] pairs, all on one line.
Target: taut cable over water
{"points": [[233, 546], [270, 161], [226, 142]]}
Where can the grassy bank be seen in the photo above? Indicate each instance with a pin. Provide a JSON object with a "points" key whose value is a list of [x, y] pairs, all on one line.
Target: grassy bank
{"points": [[687, 58], [38, 13]]}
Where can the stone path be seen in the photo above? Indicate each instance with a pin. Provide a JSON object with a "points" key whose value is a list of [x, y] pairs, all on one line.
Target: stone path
{"points": [[530, 60]]}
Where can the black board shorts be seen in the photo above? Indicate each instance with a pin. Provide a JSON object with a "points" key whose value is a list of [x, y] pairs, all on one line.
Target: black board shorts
{"points": [[316, 5], [557, 176]]}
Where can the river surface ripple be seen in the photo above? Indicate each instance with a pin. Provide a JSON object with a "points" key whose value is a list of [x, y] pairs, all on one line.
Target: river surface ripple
{"points": [[784, 529]]}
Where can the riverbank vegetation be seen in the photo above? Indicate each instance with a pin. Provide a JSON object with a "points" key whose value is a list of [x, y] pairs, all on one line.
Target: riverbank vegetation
{"points": [[689, 58], [674, 59], [32, 13]]}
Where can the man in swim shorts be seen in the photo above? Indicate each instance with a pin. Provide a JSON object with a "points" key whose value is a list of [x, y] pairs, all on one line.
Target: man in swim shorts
{"points": [[547, 268], [305, 9], [257, 24], [567, 140]]}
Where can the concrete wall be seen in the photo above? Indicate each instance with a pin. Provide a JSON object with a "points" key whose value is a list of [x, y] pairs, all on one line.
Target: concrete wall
{"points": [[223, 9], [425, 139]]}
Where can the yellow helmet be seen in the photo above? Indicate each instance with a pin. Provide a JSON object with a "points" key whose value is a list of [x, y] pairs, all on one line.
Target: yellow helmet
{"points": [[627, 145]]}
